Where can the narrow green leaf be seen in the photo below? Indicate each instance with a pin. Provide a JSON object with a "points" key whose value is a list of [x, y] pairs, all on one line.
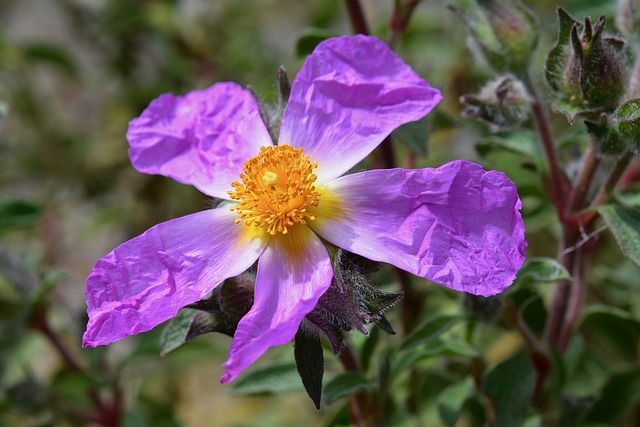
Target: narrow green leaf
{"points": [[52, 55], [452, 399], [345, 385], [16, 213], [270, 379], [310, 364], [541, 270], [175, 333], [624, 224], [509, 385], [523, 143], [429, 330]]}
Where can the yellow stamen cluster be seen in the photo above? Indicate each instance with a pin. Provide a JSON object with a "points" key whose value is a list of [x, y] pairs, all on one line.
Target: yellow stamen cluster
{"points": [[276, 189]]}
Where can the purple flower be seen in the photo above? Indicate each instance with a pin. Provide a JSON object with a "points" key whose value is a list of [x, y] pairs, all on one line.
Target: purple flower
{"points": [[457, 225]]}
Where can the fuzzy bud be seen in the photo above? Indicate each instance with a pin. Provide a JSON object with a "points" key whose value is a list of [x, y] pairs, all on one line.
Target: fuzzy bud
{"points": [[503, 102], [586, 68], [503, 34]]}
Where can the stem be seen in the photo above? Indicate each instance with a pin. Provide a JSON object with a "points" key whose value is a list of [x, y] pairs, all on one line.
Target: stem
{"points": [[356, 16], [563, 290], [605, 192], [40, 323], [358, 403], [581, 186], [558, 183], [402, 13], [577, 301]]}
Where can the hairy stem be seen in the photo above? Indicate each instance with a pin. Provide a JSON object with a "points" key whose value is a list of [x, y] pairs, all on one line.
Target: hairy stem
{"points": [[588, 170], [575, 306], [605, 192], [557, 182]]}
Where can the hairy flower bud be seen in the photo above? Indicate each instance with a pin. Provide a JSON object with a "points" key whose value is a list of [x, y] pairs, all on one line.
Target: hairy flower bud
{"points": [[586, 68], [503, 102], [503, 34]]}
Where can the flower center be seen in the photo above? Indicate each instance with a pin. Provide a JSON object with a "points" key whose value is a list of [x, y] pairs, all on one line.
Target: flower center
{"points": [[276, 189]]}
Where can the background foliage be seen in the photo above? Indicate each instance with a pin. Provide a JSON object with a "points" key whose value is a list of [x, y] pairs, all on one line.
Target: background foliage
{"points": [[74, 72]]}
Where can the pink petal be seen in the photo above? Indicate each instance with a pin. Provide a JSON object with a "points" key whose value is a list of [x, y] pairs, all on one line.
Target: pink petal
{"points": [[457, 225], [293, 273], [146, 280], [202, 138], [349, 95]]}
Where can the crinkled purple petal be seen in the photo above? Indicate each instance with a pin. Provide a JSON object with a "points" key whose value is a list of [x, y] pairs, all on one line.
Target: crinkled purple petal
{"points": [[202, 138], [457, 225], [293, 272], [146, 280], [349, 95]]}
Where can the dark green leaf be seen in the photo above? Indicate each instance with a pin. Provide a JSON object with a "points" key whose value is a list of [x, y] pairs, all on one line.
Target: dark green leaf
{"points": [[612, 329], [16, 213], [175, 333], [509, 386], [310, 38], [624, 224], [619, 394], [310, 364], [541, 270], [437, 348], [452, 399], [429, 330], [53, 55], [269, 379], [414, 136], [345, 385], [523, 143]]}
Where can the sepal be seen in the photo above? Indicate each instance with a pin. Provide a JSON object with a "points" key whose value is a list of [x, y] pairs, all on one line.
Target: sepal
{"points": [[503, 34]]}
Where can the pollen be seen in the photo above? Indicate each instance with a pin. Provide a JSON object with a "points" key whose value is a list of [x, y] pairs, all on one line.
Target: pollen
{"points": [[276, 189]]}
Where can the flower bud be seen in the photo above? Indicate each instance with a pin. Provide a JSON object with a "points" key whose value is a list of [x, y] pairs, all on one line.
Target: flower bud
{"points": [[586, 68], [503, 34], [503, 102]]}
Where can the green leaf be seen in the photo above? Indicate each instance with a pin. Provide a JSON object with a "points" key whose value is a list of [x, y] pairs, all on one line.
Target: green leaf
{"points": [[414, 136], [52, 55], [452, 400], [429, 330], [175, 333], [345, 385], [269, 380], [523, 143], [437, 348], [541, 270], [509, 385], [310, 38], [611, 329], [15, 213], [624, 224], [310, 364], [619, 394]]}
